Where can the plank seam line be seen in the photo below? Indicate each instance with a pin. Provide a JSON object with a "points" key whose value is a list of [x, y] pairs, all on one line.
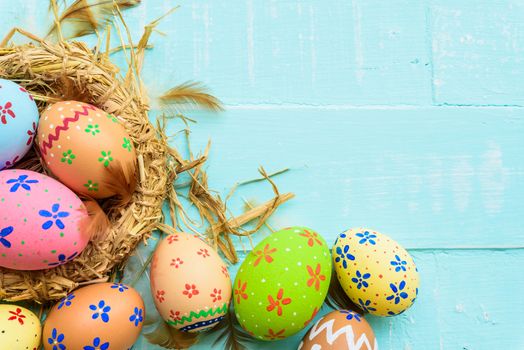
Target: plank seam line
{"points": [[297, 106]]}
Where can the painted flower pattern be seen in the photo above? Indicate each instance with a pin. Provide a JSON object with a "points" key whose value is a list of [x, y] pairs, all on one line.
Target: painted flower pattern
{"points": [[360, 279], [22, 181], [312, 237], [190, 290], [216, 295], [106, 158], [55, 216], [313, 314], [68, 157], [97, 345], [127, 144], [273, 335], [101, 310], [62, 259], [67, 301], [398, 293], [10, 163], [265, 255], [5, 111], [343, 255], [112, 117], [342, 235], [172, 238], [400, 265], [240, 291], [351, 315], [56, 340], [225, 272], [176, 262], [278, 302], [366, 305], [315, 277], [92, 129], [120, 286], [3, 234], [174, 315], [91, 186], [366, 237], [28, 94], [137, 316], [17, 315], [203, 252], [160, 296], [31, 133]]}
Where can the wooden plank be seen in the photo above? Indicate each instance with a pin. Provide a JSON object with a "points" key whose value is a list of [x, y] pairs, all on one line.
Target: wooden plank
{"points": [[467, 300], [478, 52], [431, 177], [305, 52]]}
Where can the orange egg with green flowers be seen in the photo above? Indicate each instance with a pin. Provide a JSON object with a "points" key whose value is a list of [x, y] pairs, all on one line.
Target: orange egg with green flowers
{"points": [[87, 149]]}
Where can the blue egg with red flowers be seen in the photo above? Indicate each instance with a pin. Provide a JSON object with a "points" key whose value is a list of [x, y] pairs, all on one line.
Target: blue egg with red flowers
{"points": [[18, 122]]}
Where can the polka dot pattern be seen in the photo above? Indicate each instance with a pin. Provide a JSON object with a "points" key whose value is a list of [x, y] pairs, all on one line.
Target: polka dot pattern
{"points": [[41, 221], [19, 328], [376, 273], [282, 283], [80, 142]]}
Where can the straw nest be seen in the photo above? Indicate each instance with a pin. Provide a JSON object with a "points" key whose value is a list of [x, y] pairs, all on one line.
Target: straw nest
{"points": [[47, 70], [57, 69]]}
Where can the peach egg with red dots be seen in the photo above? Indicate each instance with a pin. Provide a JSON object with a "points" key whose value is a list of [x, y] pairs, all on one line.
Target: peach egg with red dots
{"points": [[18, 123], [19, 328], [375, 271]]}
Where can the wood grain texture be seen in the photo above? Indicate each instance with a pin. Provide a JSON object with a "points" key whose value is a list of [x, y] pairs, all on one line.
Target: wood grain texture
{"points": [[405, 116]]}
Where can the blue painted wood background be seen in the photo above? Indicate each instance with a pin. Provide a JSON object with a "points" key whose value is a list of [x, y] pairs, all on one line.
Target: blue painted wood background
{"points": [[404, 116]]}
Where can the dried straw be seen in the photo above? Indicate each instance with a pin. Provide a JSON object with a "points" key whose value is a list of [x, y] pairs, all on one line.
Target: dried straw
{"points": [[69, 69]]}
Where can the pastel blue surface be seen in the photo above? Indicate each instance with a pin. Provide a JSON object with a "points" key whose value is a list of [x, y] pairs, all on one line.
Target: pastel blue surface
{"points": [[404, 116]]}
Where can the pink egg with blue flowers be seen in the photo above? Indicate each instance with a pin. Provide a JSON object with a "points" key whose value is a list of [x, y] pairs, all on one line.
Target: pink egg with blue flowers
{"points": [[42, 222]]}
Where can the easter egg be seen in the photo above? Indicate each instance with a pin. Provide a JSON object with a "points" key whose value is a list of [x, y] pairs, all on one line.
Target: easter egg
{"points": [[18, 122], [282, 283], [340, 330], [41, 221], [80, 142], [99, 316], [376, 272], [190, 283], [19, 328]]}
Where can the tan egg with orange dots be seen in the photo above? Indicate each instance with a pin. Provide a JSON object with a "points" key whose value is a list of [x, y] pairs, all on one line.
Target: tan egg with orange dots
{"points": [[340, 330], [87, 149]]}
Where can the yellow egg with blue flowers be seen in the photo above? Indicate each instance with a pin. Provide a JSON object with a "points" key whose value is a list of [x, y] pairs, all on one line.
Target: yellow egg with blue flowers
{"points": [[376, 272]]}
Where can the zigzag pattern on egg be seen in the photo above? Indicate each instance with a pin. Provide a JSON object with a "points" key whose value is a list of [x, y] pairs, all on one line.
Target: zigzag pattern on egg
{"points": [[362, 343], [49, 143]]}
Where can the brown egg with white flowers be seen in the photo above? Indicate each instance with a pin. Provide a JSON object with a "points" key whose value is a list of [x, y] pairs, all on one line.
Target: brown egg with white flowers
{"points": [[340, 330]]}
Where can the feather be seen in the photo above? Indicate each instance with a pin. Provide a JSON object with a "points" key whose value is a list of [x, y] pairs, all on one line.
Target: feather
{"points": [[122, 182], [171, 338], [231, 333], [86, 17], [191, 93], [98, 224]]}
